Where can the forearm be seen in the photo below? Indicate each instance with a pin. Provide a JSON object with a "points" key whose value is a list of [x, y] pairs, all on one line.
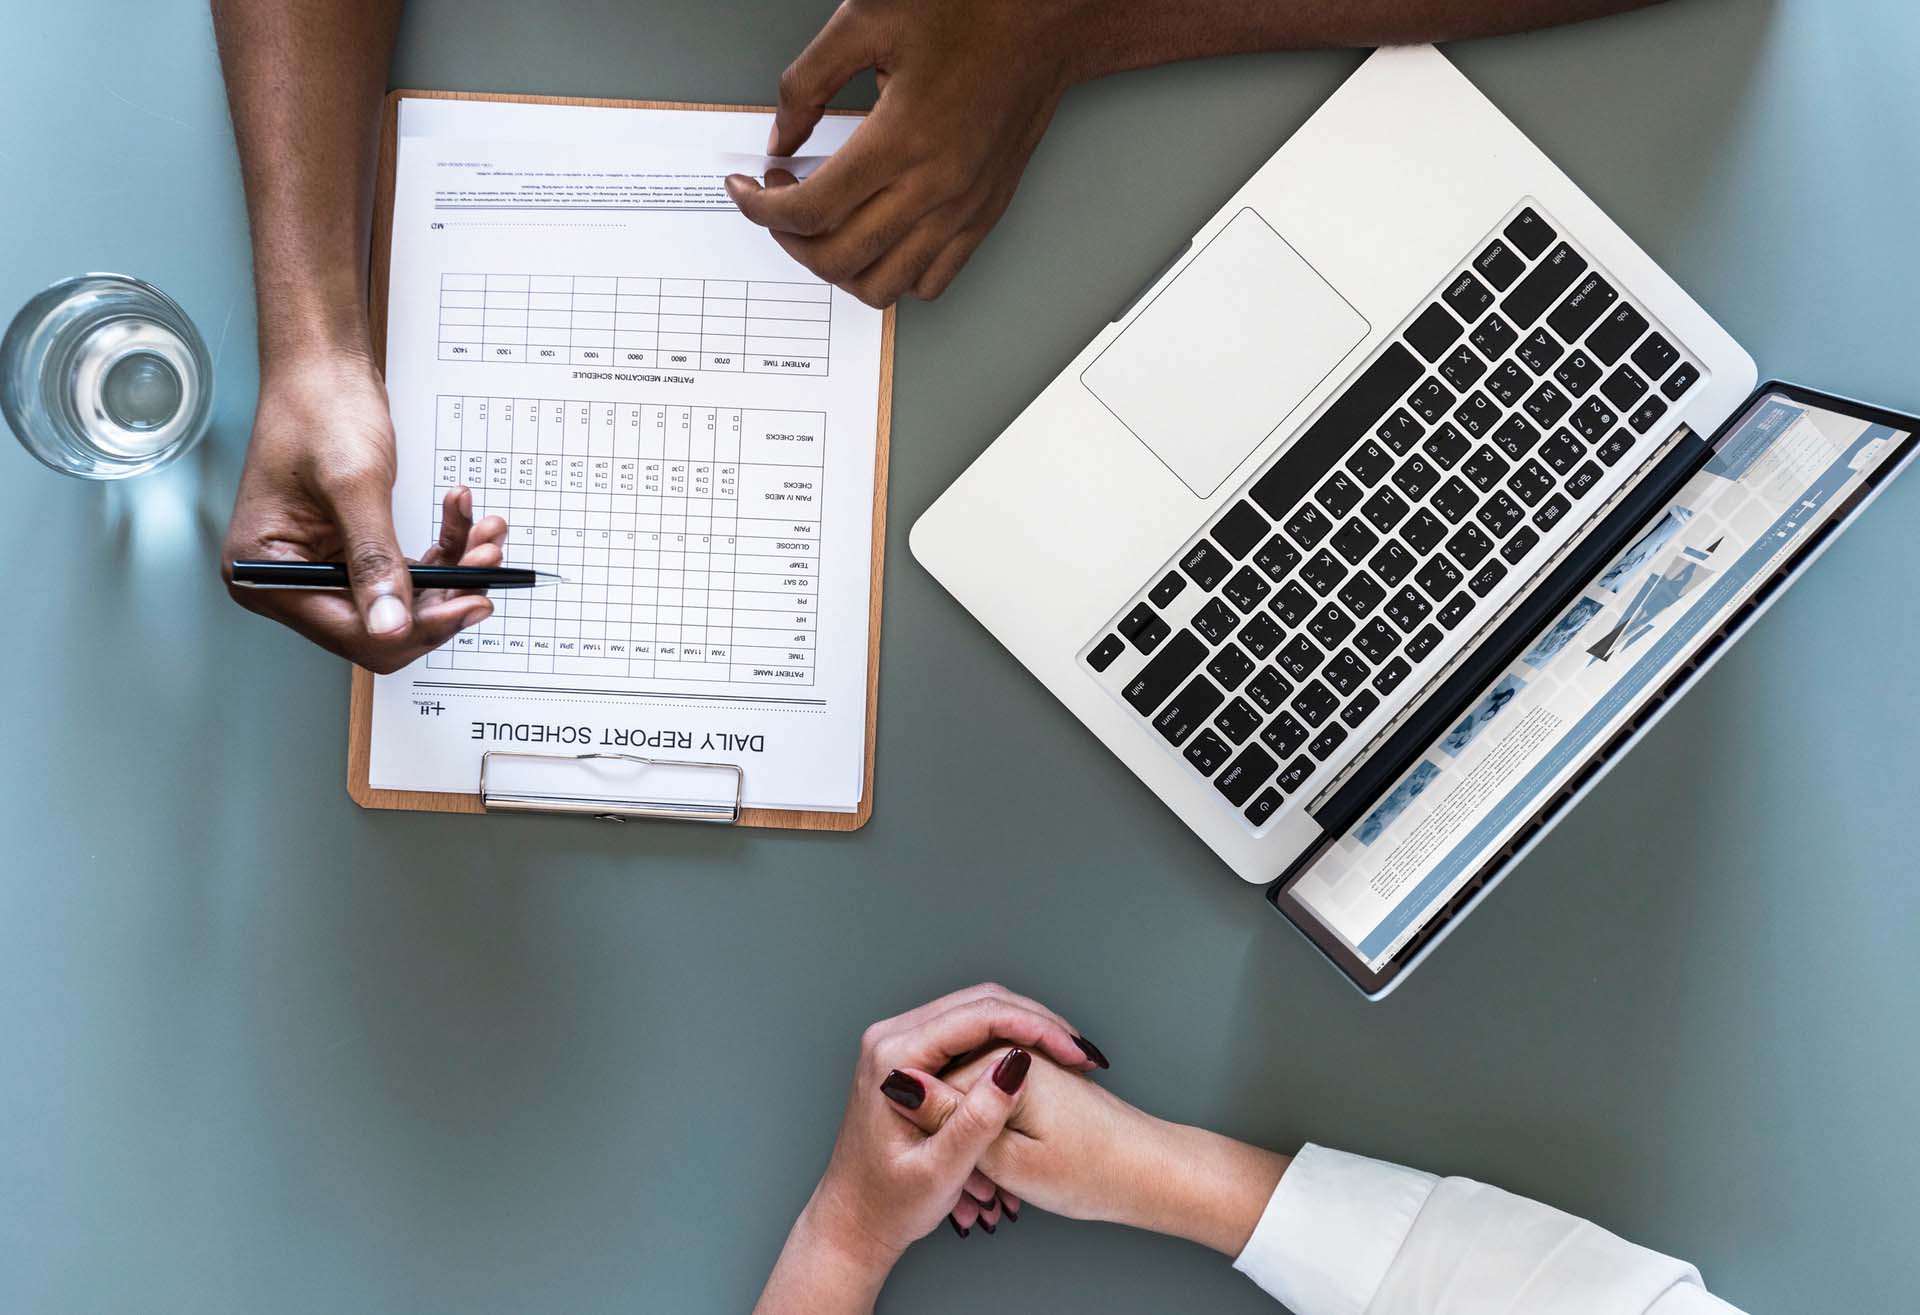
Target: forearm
{"points": [[818, 1274], [304, 82], [1110, 36], [1201, 1186]]}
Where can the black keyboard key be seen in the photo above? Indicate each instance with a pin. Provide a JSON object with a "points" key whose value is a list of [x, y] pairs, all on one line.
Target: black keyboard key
{"points": [[1354, 541], [1583, 479], [1454, 499], [1515, 437], [1315, 703], [1447, 445], [1362, 594], [1531, 482], [1620, 330], [1391, 563], [1455, 610], [1206, 564], [1399, 431], [1509, 383], [1323, 572], [1415, 476], [1438, 577], [1530, 233], [1264, 807], [1493, 337], [1105, 652], [1330, 625], [1370, 463], [1655, 357], [1563, 451], [1269, 689], [1308, 525], [1143, 628], [1408, 609], [1388, 678], [1468, 297], [1539, 290], [1339, 495], [1188, 711], [1578, 373], [1423, 531], [1485, 468], [1292, 603], [1344, 672], [1208, 753], [1551, 511], [1385, 509], [1376, 641], [1648, 415], [1614, 448], [1591, 298], [1540, 351], [1476, 413], [1329, 739], [1284, 734], [1499, 266], [1246, 774], [1230, 667], [1514, 550], [1215, 621], [1300, 659], [1423, 642], [1295, 775], [1593, 418], [1150, 638], [1469, 545], [1170, 586], [1462, 368], [1487, 578], [1360, 707], [1240, 530], [1261, 635], [1548, 404], [1433, 332], [1680, 381], [1430, 401], [1179, 658], [1624, 387], [1238, 720], [1366, 400], [1246, 589], [1276, 557], [1500, 514]]}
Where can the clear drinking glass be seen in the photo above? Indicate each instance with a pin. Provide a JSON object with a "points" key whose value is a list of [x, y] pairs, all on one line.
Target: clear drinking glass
{"points": [[103, 376]]}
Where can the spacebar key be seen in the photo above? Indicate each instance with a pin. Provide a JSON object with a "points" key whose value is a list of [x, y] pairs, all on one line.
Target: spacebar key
{"points": [[1336, 433], [1157, 681]]}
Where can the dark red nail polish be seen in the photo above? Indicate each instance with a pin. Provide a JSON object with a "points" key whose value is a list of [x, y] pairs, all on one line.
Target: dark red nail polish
{"points": [[989, 1227], [1009, 1212], [956, 1226], [984, 1205], [1091, 1051], [904, 1089], [1011, 1071]]}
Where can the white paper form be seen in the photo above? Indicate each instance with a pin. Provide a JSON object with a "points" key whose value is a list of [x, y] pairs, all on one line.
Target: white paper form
{"points": [[668, 411]]}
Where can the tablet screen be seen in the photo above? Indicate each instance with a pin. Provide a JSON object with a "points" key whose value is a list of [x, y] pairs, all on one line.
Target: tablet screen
{"points": [[1779, 476]]}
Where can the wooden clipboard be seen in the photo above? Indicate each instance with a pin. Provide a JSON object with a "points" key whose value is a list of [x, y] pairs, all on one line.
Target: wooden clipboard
{"points": [[360, 714]]}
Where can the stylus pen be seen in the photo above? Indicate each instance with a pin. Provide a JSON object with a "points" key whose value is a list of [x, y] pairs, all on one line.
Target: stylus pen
{"points": [[333, 575]]}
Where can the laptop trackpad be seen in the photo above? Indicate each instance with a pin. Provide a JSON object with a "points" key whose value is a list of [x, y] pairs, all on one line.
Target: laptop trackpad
{"points": [[1225, 353]]}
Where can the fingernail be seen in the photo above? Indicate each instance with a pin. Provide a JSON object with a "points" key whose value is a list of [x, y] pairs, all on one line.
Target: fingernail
{"points": [[984, 1205], [387, 616], [466, 501], [989, 1227], [738, 185], [1011, 1071], [1009, 1212], [773, 138], [956, 1226], [904, 1089], [1090, 1050]]}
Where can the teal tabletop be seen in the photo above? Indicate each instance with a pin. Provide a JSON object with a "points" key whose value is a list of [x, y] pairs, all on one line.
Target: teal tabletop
{"points": [[261, 1050]]}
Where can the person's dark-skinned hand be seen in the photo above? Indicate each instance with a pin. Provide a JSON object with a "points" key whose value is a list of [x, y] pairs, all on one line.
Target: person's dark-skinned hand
{"points": [[318, 487], [967, 88]]}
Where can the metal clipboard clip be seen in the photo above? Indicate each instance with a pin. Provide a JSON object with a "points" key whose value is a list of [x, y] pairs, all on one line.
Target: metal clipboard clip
{"points": [[724, 810]]}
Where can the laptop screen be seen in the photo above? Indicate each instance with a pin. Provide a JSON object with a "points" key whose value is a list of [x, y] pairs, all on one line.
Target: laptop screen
{"points": [[1780, 475]]}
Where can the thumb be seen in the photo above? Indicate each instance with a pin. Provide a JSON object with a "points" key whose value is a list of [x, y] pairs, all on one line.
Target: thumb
{"points": [[376, 567], [981, 1115]]}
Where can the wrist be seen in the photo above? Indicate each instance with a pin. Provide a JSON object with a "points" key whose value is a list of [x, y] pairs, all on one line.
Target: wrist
{"points": [[312, 316], [1201, 1186], [833, 1233]]}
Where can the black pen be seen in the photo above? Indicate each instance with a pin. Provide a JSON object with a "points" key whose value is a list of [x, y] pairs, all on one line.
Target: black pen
{"points": [[333, 575]]}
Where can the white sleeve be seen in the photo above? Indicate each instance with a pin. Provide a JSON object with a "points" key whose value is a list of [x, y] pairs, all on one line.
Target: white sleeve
{"points": [[1344, 1235]]}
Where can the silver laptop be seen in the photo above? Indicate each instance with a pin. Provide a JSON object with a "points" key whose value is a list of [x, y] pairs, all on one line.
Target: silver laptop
{"points": [[1307, 493]]}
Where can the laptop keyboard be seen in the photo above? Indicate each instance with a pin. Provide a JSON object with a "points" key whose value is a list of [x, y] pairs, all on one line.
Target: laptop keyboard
{"points": [[1370, 548]]}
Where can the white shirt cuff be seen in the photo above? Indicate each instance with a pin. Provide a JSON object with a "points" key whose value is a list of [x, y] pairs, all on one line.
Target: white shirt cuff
{"points": [[1332, 1229]]}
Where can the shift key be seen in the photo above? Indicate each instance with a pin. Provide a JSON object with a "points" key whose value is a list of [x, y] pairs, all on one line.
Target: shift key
{"points": [[1538, 291], [1177, 659]]}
